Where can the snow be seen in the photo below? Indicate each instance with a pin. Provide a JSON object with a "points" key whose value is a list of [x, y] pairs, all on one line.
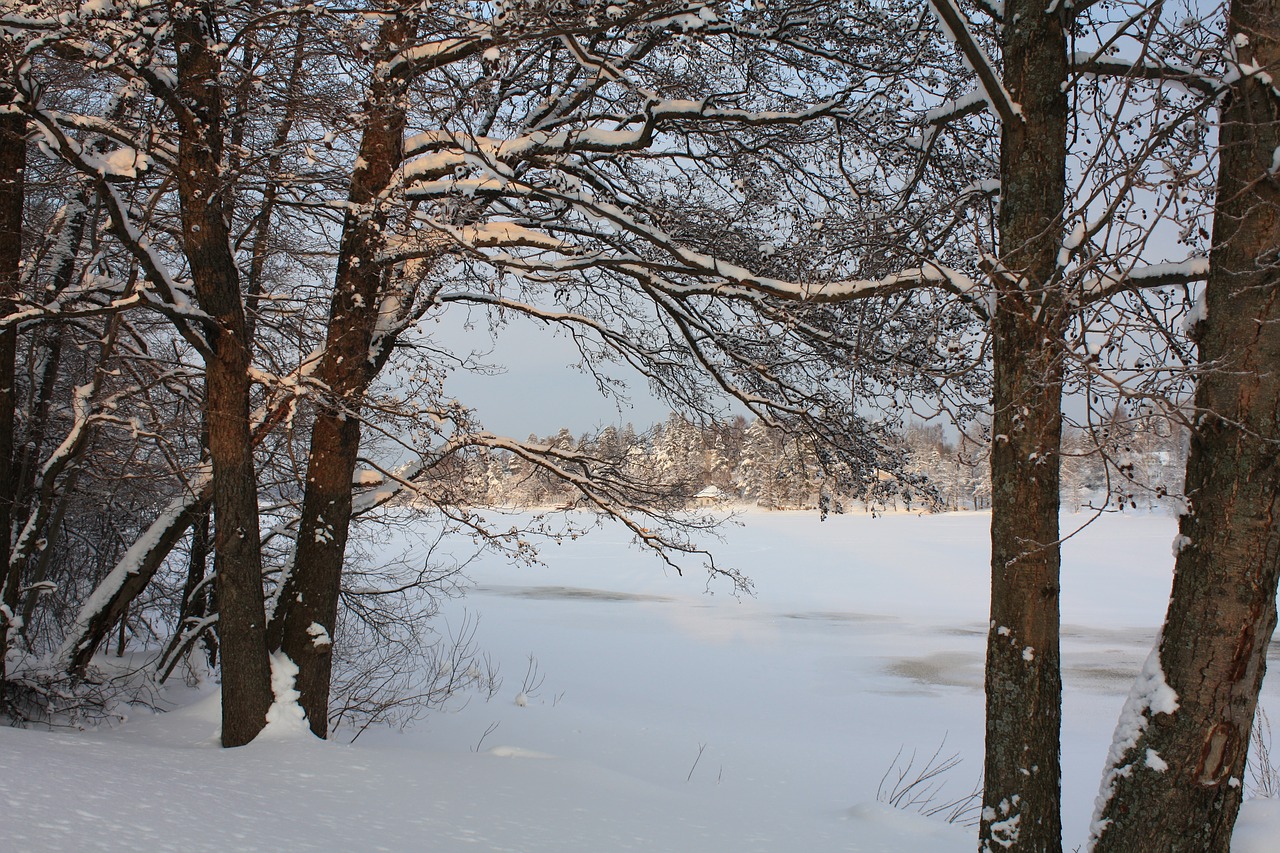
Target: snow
{"points": [[319, 636], [97, 8], [1258, 827], [1150, 695], [960, 106], [285, 718], [669, 719], [1198, 314], [1180, 542], [954, 26], [1071, 244], [1150, 275]]}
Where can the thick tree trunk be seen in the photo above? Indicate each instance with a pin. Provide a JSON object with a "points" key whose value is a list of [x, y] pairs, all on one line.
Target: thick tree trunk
{"points": [[1021, 796], [1173, 780], [12, 191], [305, 617], [246, 678]]}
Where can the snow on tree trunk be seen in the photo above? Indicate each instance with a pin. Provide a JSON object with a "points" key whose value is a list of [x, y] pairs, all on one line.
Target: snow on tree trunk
{"points": [[1022, 790], [1178, 784]]}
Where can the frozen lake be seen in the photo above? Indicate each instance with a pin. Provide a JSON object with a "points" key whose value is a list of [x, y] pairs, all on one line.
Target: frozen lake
{"points": [[670, 716]]}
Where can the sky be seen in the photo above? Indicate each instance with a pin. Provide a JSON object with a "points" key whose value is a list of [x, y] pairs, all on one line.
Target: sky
{"points": [[541, 389]]}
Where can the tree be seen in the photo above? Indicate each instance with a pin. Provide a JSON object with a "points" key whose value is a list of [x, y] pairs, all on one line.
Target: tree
{"points": [[354, 352], [509, 183], [791, 206], [1055, 265], [513, 184], [191, 93], [1174, 774], [205, 202], [13, 148]]}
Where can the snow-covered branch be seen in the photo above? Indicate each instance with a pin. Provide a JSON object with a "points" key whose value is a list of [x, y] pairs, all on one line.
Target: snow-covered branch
{"points": [[1147, 69], [995, 95], [1099, 287]]}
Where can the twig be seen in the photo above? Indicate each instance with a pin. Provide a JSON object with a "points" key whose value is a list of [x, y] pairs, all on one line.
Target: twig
{"points": [[492, 728], [701, 748]]}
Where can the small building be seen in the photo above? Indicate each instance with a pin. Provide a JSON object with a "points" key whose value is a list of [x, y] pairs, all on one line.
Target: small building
{"points": [[711, 496]]}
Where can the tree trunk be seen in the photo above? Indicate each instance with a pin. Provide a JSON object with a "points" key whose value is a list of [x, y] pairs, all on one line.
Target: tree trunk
{"points": [[246, 678], [13, 148], [304, 621], [197, 595], [1174, 775], [43, 380], [130, 576], [1021, 794]]}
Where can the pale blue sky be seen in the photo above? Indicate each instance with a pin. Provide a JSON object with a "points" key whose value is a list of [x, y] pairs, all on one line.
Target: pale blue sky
{"points": [[542, 390]]}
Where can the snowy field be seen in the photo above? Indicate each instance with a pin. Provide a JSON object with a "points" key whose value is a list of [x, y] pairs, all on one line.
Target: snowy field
{"points": [[668, 719]]}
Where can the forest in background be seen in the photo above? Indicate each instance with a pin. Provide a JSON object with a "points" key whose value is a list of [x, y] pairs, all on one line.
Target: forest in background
{"points": [[1139, 465]]}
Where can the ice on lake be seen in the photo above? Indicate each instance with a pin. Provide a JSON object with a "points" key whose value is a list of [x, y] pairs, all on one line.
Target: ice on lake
{"points": [[671, 715]]}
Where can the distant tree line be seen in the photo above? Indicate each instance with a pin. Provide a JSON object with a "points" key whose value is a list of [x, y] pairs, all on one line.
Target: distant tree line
{"points": [[1126, 464]]}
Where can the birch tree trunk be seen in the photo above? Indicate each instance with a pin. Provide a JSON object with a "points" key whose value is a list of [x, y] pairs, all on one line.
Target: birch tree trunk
{"points": [[1174, 776]]}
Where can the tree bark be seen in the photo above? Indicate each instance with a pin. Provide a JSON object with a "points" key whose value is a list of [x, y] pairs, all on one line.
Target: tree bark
{"points": [[1021, 793], [1174, 776], [304, 621], [13, 155], [246, 679]]}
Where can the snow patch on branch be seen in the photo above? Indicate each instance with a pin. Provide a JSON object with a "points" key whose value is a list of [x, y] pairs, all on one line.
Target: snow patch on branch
{"points": [[504, 235], [1149, 275], [972, 102], [431, 54], [1198, 314], [1190, 79], [1072, 242]]}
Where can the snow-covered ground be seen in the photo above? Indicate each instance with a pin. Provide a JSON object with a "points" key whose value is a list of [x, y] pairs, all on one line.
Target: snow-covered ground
{"points": [[669, 719]]}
